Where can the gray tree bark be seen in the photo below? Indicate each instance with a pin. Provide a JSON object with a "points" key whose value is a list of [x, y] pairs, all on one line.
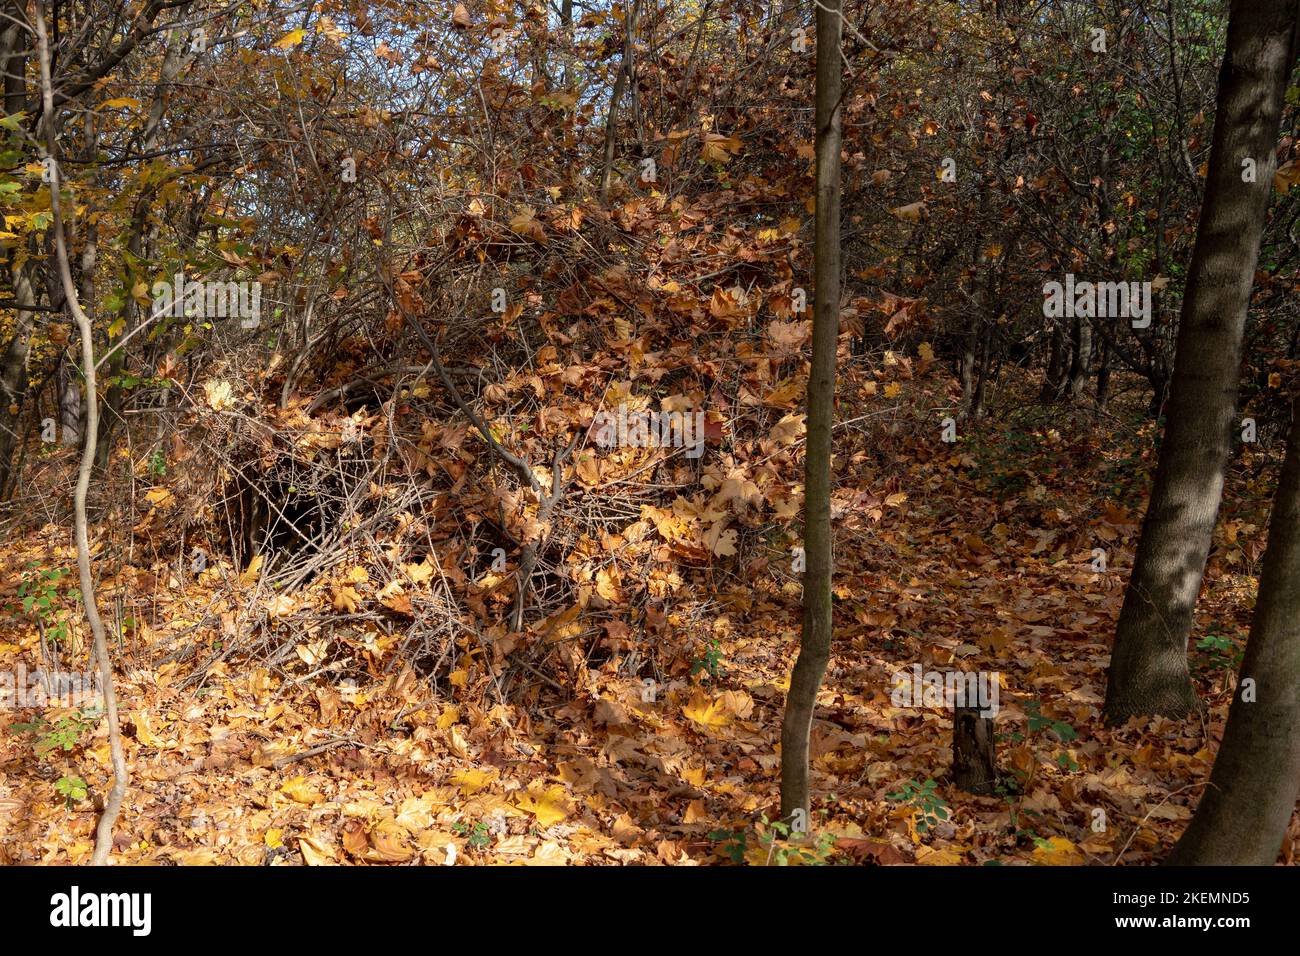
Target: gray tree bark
{"points": [[1245, 809], [1148, 671], [815, 642]]}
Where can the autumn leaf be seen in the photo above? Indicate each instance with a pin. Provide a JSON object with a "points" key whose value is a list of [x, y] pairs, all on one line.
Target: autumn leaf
{"points": [[346, 599], [300, 790], [525, 223], [1287, 175], [471, 781], [1057, 851], [547, 805], [316, 852], [788, 430], [290, 39], [912, 212], [720, 539], [720, 149]]}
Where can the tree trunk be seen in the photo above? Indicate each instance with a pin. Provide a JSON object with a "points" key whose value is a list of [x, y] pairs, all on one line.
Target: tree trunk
{"points": [[611, 120], [13, 367], [69, 403], [1103, 377], [981, 379], [1080, 368], [967, 368], [117, 757], [815, 642], [1055, 375], [1148, 672], [1245, 810], [974, 766]]}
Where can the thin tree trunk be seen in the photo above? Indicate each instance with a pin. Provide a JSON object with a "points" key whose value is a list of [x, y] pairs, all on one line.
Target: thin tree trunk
{"points": [[815, 643], [1055, 374], [566, 31], [1245, 810], [113, 804], [968, 366], [69, 403], [1103, 377], [1080, 368], [611, 120], [981, 378], [13, 367], [1148, 672]]}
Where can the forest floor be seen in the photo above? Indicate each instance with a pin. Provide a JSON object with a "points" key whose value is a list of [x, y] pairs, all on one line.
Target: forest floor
{"points": [[977, 555]]}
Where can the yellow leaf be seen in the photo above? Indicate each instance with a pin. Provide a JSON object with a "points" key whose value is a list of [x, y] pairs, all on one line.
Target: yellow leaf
{"points": [[563, 625], [419, 573], [346, 600], [249, 575], [388, 843], [120, 102], [547, 805], [290, 39], [607, 584], [928, 856], [157, 496], [471, 781], [892, 390], [315, 853], [274, 838], [300, 791], [1057, 851], [705, 712], [145, 734], [312, 653]]}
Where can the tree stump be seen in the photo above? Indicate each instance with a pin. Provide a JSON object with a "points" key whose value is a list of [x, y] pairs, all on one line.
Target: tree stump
{"points": [[974, 767]]}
